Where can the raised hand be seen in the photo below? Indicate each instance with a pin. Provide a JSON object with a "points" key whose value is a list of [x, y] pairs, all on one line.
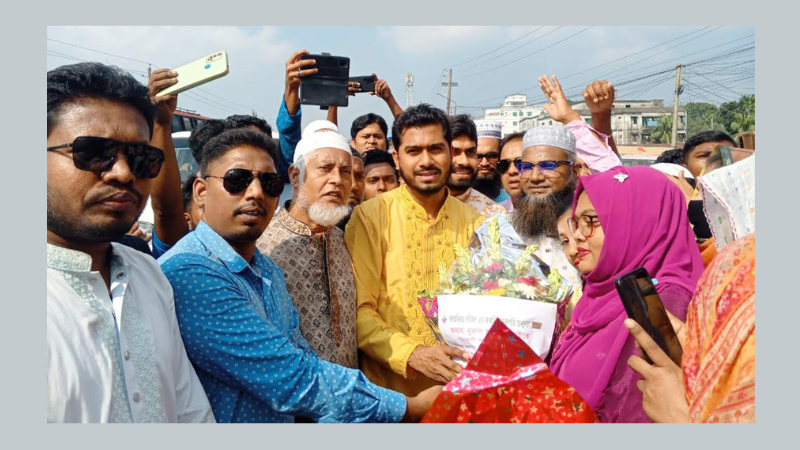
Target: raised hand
{"points": [[294, 72], [599, 96], [166, 104], [558, 108]]}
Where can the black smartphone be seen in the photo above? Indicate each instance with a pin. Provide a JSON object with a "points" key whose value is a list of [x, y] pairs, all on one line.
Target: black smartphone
{"points": [[367, 83], [327, 87], [643, 305]]}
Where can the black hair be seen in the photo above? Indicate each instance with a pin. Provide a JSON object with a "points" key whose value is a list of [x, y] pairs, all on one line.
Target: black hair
{"points": [[672, 156], [420, 115], [202, 134], [219, 145], [187, 190], [462, 125], [378, 156], [244, 121], [509, 138], [366, 120], [703, 137], [68, 84]]}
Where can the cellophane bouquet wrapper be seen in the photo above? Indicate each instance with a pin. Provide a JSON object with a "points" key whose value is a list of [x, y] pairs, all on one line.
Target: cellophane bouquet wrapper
{"points": [[497, 277], [506, 382]]}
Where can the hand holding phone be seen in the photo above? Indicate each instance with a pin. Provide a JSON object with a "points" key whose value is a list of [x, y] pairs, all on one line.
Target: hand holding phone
{"points": [[366, 83], [198, 72], [643, 305]]}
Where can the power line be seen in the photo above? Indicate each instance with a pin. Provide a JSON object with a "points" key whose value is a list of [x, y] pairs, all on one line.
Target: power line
{"points": [[148, 63], [98, 51], [514, 49], [498, 48], [634, 54], [530, 54]]}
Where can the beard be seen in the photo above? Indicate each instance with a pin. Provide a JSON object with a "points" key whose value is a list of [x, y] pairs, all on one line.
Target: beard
{"points": [[82, 229], [426, 189], [461, 185], [326, 216], [534, 217], [488, 185]]}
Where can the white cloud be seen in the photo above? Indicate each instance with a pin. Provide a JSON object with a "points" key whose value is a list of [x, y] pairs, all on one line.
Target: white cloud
{"points": [[430, 40]]}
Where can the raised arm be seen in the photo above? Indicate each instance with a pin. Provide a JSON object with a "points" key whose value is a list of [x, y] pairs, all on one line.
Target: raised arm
{"points": [[165, 193]]}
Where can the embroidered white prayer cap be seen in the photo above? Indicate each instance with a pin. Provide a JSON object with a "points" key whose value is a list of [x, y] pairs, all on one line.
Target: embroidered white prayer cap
{"points": [[489, 129], [550, 135], [319, 125], [315, 141]]}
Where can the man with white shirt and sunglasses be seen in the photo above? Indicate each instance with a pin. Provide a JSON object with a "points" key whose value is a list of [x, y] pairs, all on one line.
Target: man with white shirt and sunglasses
{"points": [[114, 351]]}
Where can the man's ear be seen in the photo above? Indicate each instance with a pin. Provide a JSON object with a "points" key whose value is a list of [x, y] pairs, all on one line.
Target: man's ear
{"points": [[396, 158], [200, 191], [294, 177]]}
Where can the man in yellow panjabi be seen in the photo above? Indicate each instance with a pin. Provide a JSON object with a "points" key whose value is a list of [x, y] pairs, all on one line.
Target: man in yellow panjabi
{"points": [[396, 241]]}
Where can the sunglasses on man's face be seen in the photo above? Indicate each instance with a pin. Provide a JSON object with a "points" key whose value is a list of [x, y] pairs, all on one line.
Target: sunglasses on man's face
{"points": [[504, 164], [99, 154], [546, 168], [238, 180]]}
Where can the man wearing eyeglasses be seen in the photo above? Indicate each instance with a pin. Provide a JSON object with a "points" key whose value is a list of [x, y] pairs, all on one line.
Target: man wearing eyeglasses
{"points": [[547, 182], [308, 246], [487, 179], [114, 351], [238, 322]]}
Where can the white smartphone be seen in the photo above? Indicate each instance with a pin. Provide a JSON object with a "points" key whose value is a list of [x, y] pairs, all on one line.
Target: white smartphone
{"points": [[198, 72]]}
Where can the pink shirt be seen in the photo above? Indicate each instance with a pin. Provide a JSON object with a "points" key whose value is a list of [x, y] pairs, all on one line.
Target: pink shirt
{"points": [[597, 155]]}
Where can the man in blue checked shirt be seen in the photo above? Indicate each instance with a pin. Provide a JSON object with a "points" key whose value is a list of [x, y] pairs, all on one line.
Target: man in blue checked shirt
{"points": [[238, 323]]}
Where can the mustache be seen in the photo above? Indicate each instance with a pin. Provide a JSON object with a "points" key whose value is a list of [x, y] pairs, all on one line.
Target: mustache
{"points": [[460, 167], [116, 190], [250, 207], [427, 169]]}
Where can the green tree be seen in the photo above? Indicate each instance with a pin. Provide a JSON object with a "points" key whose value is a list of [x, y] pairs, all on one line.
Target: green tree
{"points": [[702, 117], [662, 133], [739, 115]]}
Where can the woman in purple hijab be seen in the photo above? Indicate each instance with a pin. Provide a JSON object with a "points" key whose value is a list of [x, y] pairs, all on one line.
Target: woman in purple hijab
{"points": [[625, 218]]}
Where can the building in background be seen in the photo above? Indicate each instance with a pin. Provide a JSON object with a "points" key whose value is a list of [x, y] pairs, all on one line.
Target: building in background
{"points": [[511, 113], [632, 121]]}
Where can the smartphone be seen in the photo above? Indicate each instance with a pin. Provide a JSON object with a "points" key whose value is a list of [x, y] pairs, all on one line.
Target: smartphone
{"points": [[642, 303], [198, 72], [367, 83], [327, 87]]}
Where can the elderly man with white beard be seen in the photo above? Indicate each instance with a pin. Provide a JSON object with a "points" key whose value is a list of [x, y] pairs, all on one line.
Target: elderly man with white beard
{"points": [[308, 246]]}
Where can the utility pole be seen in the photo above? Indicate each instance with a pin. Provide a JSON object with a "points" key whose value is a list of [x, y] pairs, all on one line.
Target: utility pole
{"points": [[678, 90], [409, 90], [449, 85]]}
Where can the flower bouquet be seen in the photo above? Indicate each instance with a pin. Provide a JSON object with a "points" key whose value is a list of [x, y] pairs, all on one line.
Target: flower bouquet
{"points": [[497, 277]]}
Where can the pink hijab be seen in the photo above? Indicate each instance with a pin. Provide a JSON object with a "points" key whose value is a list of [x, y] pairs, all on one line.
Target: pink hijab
{"points": [[644, 218]]}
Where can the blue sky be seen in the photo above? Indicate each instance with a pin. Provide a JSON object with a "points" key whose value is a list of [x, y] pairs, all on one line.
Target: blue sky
{"points": [[631, 57]]}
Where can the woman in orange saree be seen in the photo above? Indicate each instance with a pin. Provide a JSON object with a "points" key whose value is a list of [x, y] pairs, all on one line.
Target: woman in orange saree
{"points": [[718, 367]]}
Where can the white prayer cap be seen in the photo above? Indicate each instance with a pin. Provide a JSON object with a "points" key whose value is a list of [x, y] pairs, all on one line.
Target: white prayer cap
{"points": [[489, 129], [550, 135], [315, 141], [318, 125]]}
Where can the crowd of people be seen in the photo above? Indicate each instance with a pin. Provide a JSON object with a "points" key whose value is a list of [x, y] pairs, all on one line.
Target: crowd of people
{"points": [[241, 309]]}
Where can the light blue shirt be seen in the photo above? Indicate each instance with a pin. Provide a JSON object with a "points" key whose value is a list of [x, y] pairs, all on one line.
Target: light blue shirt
{"points": [[241, 332], [289, 133]]}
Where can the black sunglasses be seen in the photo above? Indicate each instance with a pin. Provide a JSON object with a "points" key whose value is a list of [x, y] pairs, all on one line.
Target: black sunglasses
{"points": [[237, 180], [504, 164], [99, 154]]}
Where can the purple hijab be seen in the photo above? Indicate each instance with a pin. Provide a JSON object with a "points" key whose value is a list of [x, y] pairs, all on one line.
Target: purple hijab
{"points": [[645, 222]]}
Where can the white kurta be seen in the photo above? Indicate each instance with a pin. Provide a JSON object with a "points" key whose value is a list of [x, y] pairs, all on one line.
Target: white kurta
{"points": [[118, 357]]}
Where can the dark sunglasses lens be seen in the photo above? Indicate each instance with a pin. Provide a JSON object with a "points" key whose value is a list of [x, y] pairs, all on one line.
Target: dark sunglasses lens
{"points": [[272, 184], [94, 154], [145, 161], [237, 180], [503, 166]]}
